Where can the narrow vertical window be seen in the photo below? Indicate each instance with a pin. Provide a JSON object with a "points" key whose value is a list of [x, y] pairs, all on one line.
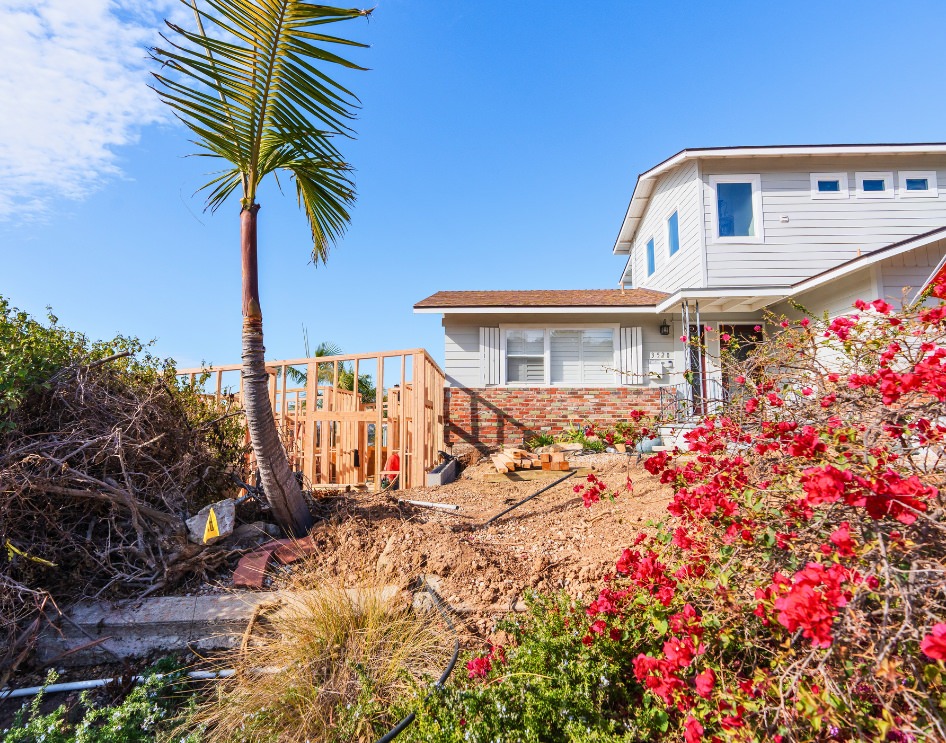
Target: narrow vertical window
{"points": [[651, 257], [673, 233]]}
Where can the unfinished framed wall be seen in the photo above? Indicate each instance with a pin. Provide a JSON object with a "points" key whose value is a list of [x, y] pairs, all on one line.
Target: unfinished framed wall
{"points": [[366, 408]]}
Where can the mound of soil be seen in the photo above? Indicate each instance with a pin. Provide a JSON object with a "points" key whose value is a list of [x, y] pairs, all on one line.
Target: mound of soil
{"points": [[552, 542]]}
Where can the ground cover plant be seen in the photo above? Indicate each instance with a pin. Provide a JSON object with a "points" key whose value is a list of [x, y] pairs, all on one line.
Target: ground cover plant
{"points": [[797, 590], [145, 713], [103, 454]]}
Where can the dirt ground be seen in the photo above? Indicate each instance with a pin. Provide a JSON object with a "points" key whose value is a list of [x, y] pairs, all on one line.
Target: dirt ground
{"points": [[552, 542]]}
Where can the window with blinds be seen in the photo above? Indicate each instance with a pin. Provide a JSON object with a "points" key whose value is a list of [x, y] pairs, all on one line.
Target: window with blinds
{"points": [[525, 356], [573, 356]]}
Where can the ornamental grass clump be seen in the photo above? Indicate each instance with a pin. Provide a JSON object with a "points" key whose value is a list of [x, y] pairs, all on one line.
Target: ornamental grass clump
{"points": [[797, 590], [325, 665]]}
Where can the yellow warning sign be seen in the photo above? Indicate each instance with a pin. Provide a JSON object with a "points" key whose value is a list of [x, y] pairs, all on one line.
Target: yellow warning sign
{"points": [[211, 530]]}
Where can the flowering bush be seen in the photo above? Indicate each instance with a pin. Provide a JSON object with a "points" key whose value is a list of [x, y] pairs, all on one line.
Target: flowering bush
{"points": [[798, 590]]}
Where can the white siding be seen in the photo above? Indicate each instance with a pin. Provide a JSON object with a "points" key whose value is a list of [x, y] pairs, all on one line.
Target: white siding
{"points": [[836, 297], [462, 354], [818, 234], [909, 270], [462, 357], [678, 191]]}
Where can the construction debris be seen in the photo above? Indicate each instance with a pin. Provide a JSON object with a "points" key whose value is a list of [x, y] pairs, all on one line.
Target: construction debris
{"points": [[509, 460]]}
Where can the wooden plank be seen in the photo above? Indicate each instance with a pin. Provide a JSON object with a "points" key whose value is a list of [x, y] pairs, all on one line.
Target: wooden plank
{"points": [[379, 422], [311, 395]]}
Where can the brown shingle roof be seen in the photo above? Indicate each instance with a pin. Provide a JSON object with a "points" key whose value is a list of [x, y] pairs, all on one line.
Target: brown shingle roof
{"points": [[544, 298]]}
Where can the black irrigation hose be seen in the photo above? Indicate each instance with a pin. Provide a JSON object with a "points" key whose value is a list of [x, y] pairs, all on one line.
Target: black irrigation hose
{"points": [[525, 500], [438, 603]]}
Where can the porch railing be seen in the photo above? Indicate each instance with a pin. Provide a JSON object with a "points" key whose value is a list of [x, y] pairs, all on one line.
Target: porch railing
{"points": [[685, 401]]}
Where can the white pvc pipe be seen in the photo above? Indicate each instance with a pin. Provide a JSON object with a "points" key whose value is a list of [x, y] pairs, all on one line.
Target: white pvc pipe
{"points": [[427, 504], [30, 691]]}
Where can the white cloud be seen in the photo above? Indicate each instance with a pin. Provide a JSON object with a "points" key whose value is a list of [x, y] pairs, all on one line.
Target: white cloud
{"points": [[73, 87]]}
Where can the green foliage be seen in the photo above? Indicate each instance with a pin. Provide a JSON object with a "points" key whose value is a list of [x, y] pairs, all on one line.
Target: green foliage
{"points": [[541, 439], [31, 352], [145, 714], [552, 687], [251, 83]]}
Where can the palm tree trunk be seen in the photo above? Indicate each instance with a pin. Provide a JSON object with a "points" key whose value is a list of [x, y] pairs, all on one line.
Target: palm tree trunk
{"points": [[280, 485]]}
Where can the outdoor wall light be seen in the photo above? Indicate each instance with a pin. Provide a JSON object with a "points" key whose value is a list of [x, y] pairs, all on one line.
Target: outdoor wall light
{"points": [[664, 328]]}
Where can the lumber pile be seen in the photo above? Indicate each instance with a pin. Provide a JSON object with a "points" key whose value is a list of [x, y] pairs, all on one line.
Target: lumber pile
{"points": [[509, 460]]}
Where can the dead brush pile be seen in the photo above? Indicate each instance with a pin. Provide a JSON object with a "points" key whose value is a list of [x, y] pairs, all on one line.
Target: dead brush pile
{"points": [[103, 454]]}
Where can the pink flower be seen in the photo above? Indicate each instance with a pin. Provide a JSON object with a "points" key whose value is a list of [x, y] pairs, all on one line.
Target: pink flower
{"points": [[758, 328], [725, 337], [841, 538], [934, 644], [806, 391], [683, 339], [705, 683], [804, 322], [692, 730], [740, 379]]}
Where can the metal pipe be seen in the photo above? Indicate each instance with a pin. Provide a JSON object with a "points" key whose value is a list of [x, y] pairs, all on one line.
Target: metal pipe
{"points": [[31, 691]]}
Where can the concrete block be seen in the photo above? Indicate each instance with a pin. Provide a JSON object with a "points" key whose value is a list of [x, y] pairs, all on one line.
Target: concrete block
{"points": [[135, 629]]}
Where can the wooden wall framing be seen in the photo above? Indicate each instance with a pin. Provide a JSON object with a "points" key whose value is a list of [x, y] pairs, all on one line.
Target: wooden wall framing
{"points": [[343, 438]]}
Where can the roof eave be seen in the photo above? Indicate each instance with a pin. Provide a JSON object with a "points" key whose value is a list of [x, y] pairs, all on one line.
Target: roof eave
{"points": [[537, 310]]}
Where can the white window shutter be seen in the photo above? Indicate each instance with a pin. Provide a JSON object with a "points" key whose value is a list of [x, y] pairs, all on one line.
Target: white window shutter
{"points": [[489, 356], [632, 356]]}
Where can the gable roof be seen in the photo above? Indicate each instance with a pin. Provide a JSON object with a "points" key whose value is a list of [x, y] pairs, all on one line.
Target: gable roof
{"points": [[539, 300], [647, 180]]}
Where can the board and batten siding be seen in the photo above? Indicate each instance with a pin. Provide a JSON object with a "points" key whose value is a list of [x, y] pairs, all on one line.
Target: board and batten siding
{"points": [[805, 236], [471, 345], [677, 191]]}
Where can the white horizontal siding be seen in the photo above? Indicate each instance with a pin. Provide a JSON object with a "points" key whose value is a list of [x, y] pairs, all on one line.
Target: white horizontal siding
{"points": [[462, 354], [836, 298], [818, 234], [909, 270], [677, 191]]}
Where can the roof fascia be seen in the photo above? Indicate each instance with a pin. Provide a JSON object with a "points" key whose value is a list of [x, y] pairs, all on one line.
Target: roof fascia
{"points": [[597, 310], [776, 292]]}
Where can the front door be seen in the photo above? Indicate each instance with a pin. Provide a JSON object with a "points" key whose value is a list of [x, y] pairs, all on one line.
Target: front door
{"points": [[742, 340]]}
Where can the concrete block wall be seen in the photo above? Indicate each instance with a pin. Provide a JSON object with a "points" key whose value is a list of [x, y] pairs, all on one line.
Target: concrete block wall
{"points": [[507, 416]]}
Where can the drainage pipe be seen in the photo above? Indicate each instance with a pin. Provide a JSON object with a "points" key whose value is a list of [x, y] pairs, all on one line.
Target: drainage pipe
{"points": [[30, 691], [441, 608], [526, 500]]}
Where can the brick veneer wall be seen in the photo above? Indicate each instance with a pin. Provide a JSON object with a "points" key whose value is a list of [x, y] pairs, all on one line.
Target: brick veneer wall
{"points": [[507, 416]]}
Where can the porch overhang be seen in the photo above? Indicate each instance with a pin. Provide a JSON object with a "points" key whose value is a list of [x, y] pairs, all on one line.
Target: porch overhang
{"points": [[727, 299]]}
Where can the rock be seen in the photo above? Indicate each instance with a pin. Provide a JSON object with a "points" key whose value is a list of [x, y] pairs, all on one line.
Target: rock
{"points": [[254, 533], [225, 512]]}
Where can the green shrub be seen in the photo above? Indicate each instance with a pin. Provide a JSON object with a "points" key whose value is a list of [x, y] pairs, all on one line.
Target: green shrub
{"points": [[145, 714]]}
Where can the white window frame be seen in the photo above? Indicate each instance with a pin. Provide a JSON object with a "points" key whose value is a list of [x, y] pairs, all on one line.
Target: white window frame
{"points": [[930, 193], [547, 366], [756, 181], [675, 210], [887, 193], [844, 193]]}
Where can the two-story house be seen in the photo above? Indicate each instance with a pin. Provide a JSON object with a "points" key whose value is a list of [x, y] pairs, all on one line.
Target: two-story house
{"points": [[712, 237]]}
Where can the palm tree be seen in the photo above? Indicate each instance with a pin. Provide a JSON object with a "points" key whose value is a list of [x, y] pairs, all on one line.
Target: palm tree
{"points": [[250, 84]]}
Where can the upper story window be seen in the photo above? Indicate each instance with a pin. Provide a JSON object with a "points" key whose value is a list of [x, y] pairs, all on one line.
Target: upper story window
{"points": [[651, 257], [673, 233], [561, 356], [737, 208], [874, 185], [917, 184], [829, 186]]}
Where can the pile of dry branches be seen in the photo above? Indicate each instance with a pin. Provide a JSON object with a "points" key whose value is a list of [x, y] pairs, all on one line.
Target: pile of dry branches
{"points": [[97, 474]]}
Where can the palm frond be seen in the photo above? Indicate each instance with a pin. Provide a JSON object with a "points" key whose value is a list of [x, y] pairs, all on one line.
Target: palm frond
{"points": [[252, 83]]}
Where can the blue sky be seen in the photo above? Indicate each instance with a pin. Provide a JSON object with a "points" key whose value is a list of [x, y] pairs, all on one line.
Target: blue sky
{"points": [[498, 145]]}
